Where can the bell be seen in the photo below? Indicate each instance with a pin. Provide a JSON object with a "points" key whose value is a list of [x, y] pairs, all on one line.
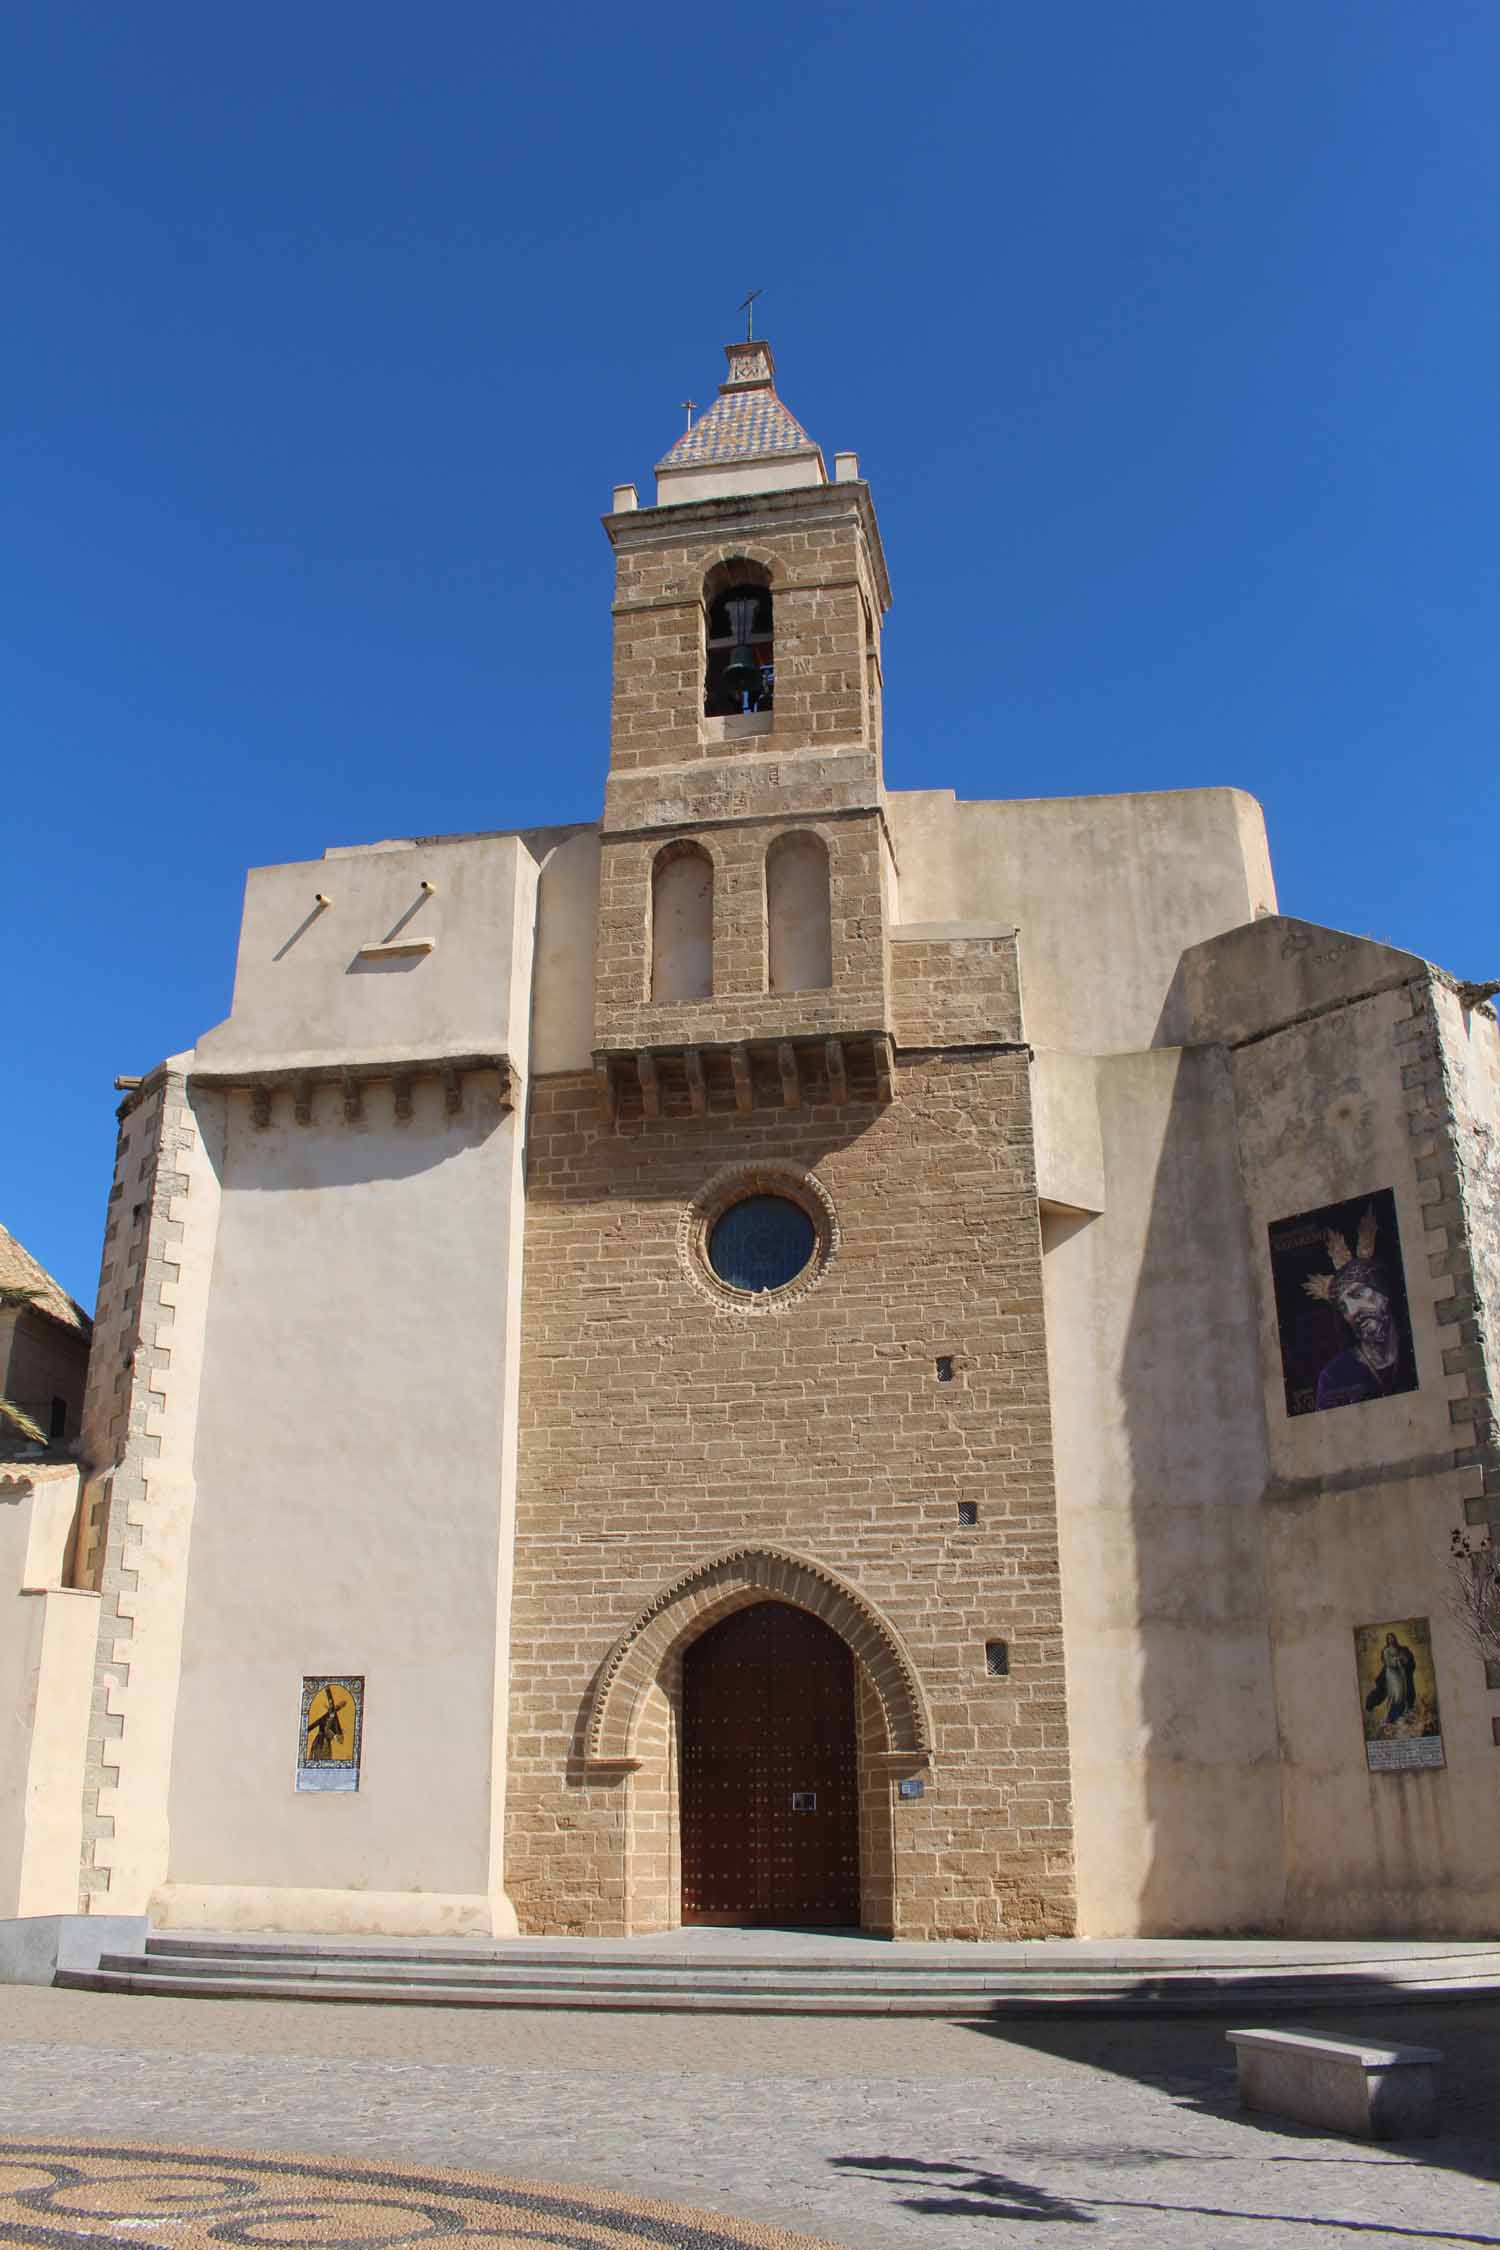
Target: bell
{"points": [[742, 674]]}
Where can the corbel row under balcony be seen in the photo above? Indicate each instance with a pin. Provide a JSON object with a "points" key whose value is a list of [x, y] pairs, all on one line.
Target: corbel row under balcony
{"points": [[705, 1080], [354, 1080]]}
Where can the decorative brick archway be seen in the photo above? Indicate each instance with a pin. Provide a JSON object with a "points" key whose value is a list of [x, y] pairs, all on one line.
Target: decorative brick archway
{"points": [[633, 1717], [686, 1608]]}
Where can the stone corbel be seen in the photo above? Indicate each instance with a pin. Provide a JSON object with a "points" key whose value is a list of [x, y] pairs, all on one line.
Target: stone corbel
{"points": [[692, 1063], [885, 1066], [645, 1063]]}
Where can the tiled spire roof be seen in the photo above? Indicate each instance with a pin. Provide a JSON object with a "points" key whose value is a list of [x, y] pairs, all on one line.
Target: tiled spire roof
{"points": [[747, 421]]}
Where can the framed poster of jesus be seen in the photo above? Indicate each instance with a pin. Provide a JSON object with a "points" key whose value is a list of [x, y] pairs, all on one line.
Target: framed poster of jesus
{"points": [[332, 1731]]}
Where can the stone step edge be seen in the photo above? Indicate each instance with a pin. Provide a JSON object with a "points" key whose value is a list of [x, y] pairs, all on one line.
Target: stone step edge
{"points": [[571, 1961], [1238, 1985], [1193, 2000]]}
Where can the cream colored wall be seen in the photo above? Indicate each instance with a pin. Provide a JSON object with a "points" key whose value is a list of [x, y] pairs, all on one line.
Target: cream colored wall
{"points": [[1161, 1463], [46, 1680], [355, 1440], [351, 1506], [1361, 1508], [306, 994], [1065, 1119], [567, 916], [1105, 891]]}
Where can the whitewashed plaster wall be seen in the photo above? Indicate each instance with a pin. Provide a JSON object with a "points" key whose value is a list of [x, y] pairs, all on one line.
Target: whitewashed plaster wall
{"points": [[1360, 1513], [352, 1515], [354, 1446], [1340, 1094], [1105, 891], [1161, 1466], [47, 1633]]}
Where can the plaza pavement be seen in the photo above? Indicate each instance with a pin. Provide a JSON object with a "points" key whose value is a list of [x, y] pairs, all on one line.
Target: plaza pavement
{"points": [[881, 2134]]}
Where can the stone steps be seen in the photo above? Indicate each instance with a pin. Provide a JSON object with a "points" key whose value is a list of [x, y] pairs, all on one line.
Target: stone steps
{"points": [[531, 1976]]}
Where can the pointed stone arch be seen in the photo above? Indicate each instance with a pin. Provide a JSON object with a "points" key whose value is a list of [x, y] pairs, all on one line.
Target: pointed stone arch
{"points": [[704, 1595]]}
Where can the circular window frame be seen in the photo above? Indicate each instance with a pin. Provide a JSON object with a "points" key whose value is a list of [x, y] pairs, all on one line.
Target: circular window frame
{"points": [[736, 1185]]}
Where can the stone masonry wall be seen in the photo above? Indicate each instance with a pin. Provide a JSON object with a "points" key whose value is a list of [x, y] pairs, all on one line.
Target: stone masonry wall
{"points": [[954, 991], [122, 1427], [659, 1429], [740, 1005], [1451, 1076]]}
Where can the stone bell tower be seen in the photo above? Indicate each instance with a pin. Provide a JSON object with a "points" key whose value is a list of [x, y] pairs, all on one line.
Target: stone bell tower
{"points": [[747, 878], [785, 1631]]}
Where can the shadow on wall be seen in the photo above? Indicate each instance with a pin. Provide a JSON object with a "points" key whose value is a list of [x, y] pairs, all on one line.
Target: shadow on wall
{"points": [[374, 1150], [1195, 1451]]}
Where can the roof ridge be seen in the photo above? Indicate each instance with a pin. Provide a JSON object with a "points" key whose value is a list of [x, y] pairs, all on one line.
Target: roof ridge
{"points": [[25, 1278]]}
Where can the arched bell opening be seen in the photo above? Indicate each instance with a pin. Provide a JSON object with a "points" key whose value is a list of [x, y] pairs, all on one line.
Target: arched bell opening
{"points": [[740, 640]]}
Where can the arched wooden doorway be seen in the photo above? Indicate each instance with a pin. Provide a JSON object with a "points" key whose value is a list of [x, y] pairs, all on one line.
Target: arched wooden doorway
{"points": [[770, 1790]]}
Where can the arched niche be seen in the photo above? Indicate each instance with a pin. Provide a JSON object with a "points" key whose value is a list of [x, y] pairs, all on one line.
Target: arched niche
{"points": [[799, 921], [682, 923]]}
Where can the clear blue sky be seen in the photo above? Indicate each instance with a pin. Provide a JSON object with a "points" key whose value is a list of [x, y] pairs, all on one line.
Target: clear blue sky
{"points": [[1166, 333]]}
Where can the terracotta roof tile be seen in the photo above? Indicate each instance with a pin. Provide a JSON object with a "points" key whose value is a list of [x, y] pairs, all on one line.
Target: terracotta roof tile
{"points": [[21, 1275]]}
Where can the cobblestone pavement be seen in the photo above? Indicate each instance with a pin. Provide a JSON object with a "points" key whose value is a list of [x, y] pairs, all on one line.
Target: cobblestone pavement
{"points": [[875, 2134]]}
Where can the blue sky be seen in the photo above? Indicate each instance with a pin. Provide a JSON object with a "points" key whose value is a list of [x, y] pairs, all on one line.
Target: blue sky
{"points": [[1166, 334]]}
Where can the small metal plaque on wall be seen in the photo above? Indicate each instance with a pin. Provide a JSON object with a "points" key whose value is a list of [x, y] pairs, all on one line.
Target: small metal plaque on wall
{"points": [[804, 1800], [910, 1788], [332, 1736]]}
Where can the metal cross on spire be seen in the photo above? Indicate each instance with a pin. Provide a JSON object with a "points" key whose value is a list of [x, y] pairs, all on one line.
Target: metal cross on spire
{"points": [[748, 309], [688, 405]]}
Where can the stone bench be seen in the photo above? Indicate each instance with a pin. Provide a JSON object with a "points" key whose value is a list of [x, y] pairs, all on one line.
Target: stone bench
{"points": [[1377, 2093]]}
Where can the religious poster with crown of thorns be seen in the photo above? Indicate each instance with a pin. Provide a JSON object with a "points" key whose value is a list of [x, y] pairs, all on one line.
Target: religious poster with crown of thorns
{"points": [[333, 1717], [1341, 1305]]}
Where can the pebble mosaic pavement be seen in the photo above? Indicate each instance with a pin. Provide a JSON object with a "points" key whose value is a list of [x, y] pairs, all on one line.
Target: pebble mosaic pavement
{"points": [[53, 2193]]}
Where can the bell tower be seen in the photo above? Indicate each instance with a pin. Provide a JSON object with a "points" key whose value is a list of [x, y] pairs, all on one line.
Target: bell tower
{"points": [[748, 883]]}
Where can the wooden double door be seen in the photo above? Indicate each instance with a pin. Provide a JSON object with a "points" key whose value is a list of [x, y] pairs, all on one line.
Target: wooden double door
{"points": [[770, 1785]]}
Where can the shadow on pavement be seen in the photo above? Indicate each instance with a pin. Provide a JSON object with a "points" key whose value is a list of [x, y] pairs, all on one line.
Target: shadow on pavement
{"points": [[1188, 2060]]}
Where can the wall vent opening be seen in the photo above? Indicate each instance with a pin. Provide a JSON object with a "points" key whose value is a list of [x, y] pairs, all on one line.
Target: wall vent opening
{"points": [[997, 1659]]}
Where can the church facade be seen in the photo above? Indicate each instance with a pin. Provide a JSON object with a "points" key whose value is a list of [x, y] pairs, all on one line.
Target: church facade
{"points": [[804, 1354]]}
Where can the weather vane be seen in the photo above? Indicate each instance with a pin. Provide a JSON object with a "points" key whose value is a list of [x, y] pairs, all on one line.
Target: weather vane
{"points": [[748, 309]]}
